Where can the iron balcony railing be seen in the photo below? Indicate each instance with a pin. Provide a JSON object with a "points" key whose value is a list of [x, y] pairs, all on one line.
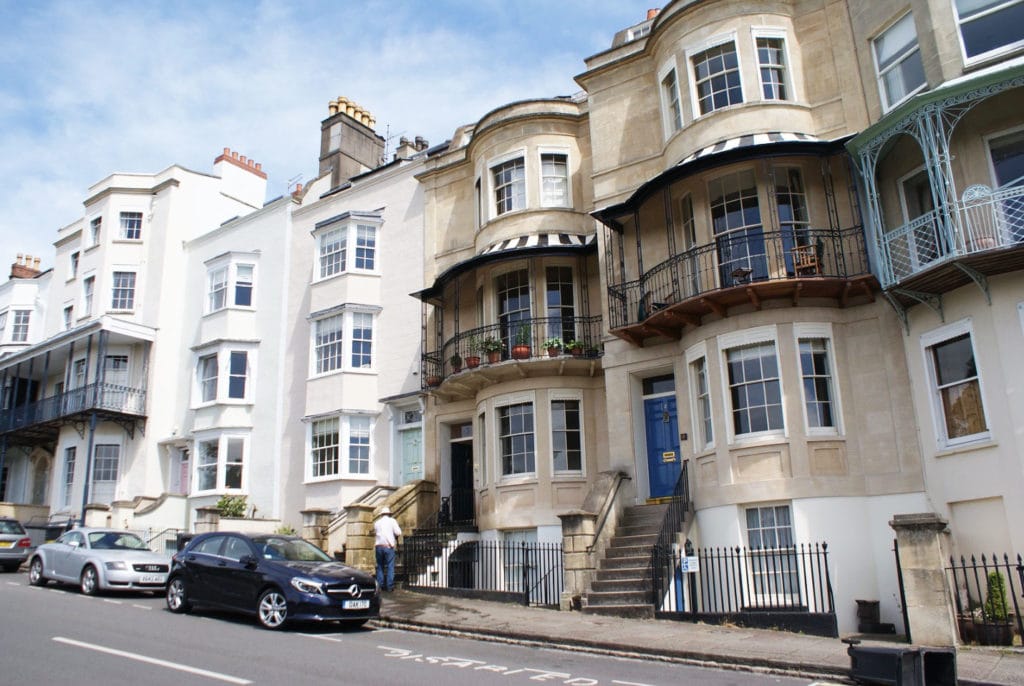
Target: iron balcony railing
{"points": [[740, 258], [528, 573], [94, 396], [514, 339], [983, 219]]}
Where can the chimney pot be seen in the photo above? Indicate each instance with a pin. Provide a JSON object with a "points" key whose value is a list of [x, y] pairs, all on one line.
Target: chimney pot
{"points": [[242, 159], [227, 151], [35, 262], [652, 13], [259, 166], [234, 155]]}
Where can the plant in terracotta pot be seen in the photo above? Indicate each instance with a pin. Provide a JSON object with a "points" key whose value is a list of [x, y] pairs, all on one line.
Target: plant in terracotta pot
{"points": [[491, 347], [472, 359], [575, 347], [521, 346], [554, 346], [456, 362]]}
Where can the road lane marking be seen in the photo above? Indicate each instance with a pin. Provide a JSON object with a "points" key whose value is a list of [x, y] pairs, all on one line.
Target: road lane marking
{"points": [[322, 638], [142, 607], [112, 602], [152, 660]]}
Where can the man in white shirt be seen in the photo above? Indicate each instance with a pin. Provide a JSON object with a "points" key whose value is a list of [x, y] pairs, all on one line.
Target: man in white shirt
{"points": [[387, 534]]}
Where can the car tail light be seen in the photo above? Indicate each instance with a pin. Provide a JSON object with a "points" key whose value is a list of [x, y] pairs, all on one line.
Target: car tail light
{"points": [[25, 543]]}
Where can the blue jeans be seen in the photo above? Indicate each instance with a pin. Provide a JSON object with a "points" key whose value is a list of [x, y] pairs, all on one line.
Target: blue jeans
{"points": [[385, 565]]}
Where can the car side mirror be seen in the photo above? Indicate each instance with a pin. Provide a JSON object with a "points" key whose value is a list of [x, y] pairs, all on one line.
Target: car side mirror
{"points": [[74, 544], [249, 561]]}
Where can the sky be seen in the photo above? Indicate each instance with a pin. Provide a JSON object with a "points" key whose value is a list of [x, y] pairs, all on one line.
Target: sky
{"points": [[92, 88]]}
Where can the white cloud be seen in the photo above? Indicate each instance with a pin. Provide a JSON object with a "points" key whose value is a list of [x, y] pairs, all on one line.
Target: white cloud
{"points": [[90, 88]]}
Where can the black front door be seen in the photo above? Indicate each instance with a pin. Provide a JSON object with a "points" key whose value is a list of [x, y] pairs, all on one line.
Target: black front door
{"points": [[462, 483]]}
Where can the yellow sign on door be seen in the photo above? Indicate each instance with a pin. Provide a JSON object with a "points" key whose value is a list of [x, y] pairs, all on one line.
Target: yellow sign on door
{"points": [[669, 456]]}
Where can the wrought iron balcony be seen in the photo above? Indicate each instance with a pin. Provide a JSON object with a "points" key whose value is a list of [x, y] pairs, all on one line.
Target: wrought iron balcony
{"points": [[740, 268], [109, 400], [519, 340], [984, 232]]}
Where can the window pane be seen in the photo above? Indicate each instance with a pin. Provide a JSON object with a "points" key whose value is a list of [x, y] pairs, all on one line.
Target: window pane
{"points": [[123, 294], [817, 382], [566, 436], [515, 436], [362, 340], [243, 285], [325, 444], [755, 389], [239, 369], [332, 252], [328, 344], [359, 445], [985, 29], [366, 247], [509, 186]]}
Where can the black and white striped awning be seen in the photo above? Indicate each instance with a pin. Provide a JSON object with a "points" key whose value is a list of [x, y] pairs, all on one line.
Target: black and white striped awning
{"points": [[541, 240], [749, 140]]}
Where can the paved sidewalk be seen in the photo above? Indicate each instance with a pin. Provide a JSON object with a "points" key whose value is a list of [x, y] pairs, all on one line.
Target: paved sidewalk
{"points": [[719, 646]]}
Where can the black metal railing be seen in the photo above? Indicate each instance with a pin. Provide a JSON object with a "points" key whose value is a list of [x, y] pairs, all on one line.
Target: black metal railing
{"points": [[736, 579], [94, 396], [522, 339], [671, 524], [986, 592], [528, 573], [735, 260]]}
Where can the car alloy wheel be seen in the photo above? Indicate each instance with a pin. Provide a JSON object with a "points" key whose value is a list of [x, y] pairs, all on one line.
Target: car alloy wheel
{"points": [[90, 581], [177, 596], [35, 573], [272, 609]]}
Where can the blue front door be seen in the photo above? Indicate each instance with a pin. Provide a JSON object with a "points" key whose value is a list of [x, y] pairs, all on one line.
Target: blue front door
{"points": [[663, 459]]}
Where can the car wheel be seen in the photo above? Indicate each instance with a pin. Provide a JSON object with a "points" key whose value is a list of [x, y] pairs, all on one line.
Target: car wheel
{"points": [[272, 609], [177, 596], [90, 581], [35, 572]]}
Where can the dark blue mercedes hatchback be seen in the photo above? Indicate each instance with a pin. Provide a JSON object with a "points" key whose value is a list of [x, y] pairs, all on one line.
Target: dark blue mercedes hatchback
{"points": [[277, 578]]}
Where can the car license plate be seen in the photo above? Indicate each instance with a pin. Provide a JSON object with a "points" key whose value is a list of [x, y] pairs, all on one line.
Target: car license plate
{"points": [[355, 604], [152, 579], [6, 544]]}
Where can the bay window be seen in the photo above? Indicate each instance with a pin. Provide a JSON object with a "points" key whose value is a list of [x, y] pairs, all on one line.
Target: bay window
{"points": [[229, 362], [516, 439], [220, 463], [339, 446], [716, 74], [360, 230], [755, 389], [509, 182]]}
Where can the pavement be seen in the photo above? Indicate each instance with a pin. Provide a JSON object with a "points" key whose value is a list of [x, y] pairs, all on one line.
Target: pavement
{"points": [[728, 647]]}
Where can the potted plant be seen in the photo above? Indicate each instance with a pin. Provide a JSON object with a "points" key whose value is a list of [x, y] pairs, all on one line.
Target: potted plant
{"points": [[433, 380], [554, 346], [491, 347], [521, 346], [575, 347], [456, 363], [997, 629], [472, 359]]}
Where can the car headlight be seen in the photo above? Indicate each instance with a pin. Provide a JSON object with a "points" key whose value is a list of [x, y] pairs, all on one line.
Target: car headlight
{"points": [[115, 565], [304, 585]]}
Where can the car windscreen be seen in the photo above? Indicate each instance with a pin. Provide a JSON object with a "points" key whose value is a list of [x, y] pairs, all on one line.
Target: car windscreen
{"points": [[8, 526], [115, 540], [290, 550]]}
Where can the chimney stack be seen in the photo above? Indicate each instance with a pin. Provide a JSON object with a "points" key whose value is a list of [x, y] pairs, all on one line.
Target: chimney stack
{"points": [[25, 267], [242, 162]]}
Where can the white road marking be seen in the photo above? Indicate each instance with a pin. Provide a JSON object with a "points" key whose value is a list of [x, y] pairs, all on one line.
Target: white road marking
{"points": [[323, 638], [630, 683], [152, 660], [112, 602], [142, 607]]}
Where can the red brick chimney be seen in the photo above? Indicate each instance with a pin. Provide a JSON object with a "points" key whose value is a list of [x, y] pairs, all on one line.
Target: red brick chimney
{"points": [[26, 267]]}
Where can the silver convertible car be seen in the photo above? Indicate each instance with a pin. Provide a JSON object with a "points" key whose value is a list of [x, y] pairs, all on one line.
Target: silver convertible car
{"points": [[99, 560]]}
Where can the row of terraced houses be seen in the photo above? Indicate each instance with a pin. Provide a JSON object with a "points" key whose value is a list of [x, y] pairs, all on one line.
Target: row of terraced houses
{"points": [[775, 247]]}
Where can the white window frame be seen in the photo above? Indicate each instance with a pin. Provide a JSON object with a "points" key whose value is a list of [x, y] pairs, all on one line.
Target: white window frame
{"points": [[95, 231], [134, 289], [928, 341], [223, 279], [740, 339], [774, 569], [74, 260], [564, 152], [701, 442], [123, 229], [347, 229], [21, 323], [994, 52], [88, 294], [346, 431], [492, 198], [669, 113], [691, 71], [557, 395], [347, 315], [495, 439], [69, 316], [223, 440], [68, 476], [879, 74], [222, 381], [823, 330], [774, 33]]}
